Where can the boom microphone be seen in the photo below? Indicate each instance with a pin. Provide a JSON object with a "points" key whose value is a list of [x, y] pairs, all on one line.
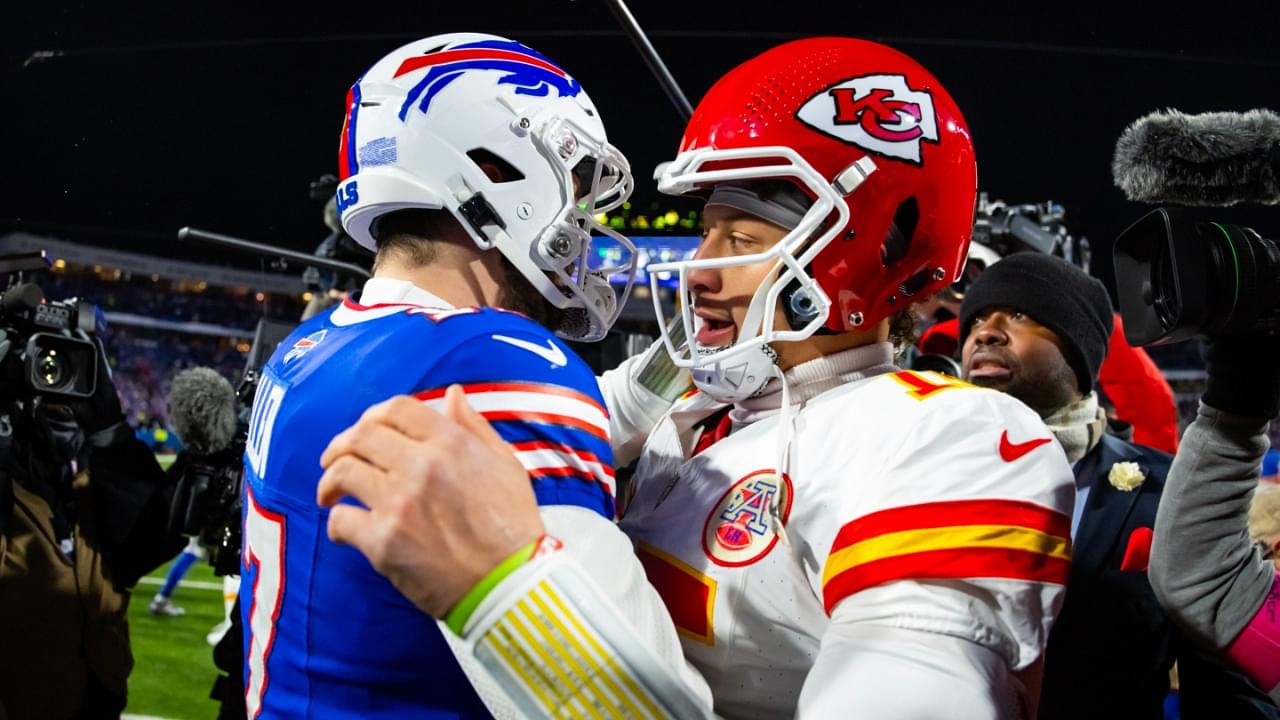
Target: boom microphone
{"points": [[1212, 159], [20, 298], [203, 406]]}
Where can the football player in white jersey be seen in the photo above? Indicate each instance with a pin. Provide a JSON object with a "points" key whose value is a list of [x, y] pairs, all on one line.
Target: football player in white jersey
{"points": [[832, 536]]}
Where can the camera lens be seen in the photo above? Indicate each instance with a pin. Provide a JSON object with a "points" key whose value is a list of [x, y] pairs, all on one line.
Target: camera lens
{"points": [[50, 369], [1247, 268], [1177, 278]]}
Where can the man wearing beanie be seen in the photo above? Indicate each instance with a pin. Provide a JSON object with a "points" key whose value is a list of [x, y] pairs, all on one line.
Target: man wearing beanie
{"points": [[1036, 327]]}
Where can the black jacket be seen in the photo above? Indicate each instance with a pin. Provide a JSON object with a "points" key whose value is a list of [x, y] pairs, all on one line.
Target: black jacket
{"points": [[1110, 653]]}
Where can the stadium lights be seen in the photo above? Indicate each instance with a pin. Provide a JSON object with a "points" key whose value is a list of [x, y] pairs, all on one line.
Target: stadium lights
{"points": [[622, 220]]}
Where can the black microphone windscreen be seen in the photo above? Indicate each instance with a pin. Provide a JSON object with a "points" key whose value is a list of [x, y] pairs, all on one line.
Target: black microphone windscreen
{"points": [[203, 406], [1211, 159], [24, 296]]}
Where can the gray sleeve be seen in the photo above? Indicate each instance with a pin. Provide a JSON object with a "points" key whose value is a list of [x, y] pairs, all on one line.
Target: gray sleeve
{"points": [[1207, 573]]}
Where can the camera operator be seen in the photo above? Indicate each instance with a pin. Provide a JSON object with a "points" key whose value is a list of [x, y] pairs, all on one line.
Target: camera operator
{"points": [[1179, 278], [85, 518], [1210, 575], [1038, 328]]}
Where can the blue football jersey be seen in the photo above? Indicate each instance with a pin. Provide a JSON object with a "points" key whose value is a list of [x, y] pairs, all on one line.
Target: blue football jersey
{"points": [[325, 634]]}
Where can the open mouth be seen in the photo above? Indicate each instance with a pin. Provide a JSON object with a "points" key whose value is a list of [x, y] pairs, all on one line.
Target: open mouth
{"points": [[714, 331], [988, 367]]}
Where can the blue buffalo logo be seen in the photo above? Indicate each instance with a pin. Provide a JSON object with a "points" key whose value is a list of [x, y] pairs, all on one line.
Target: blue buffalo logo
{"points": [[526, 69]]}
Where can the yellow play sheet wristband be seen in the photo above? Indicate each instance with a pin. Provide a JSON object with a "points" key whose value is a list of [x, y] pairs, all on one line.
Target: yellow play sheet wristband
{"points": [[457, 618]]}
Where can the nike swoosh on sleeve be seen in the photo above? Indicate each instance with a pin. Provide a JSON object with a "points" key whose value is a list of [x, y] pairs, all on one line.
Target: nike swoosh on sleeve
{"points": [[1009, 452], [549, 352]]}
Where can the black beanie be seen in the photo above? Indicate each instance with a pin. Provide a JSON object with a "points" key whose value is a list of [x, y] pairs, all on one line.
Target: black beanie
{"points": [[1054, 293]]}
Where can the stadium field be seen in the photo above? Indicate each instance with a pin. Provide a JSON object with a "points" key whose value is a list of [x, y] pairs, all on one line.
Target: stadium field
{"points": [[173, 663]]}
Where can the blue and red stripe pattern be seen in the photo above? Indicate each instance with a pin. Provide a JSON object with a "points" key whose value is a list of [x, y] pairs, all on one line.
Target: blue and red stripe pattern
{"points": [[559, 434], [347, 164]]}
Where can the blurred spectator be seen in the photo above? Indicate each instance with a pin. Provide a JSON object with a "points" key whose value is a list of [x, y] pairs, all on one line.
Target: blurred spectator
{"points": [[144, 362], [1038, 328], [1138, 392], [1271, 466], [162, 299], [1264, 520]]}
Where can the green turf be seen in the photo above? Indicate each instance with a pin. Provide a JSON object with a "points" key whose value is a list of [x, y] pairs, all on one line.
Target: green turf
{"points": [[173, 664]]}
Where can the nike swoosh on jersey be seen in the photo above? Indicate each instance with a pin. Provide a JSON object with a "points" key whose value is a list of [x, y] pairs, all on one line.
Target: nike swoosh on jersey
{"points": [[549, 352], [1009, 452]]}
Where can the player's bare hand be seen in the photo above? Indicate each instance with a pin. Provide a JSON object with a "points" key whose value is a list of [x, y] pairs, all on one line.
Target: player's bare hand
{"points": [[447, 499]]}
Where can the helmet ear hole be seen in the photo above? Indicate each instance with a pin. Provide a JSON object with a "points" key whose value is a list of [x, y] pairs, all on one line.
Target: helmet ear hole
{"points": [[913, 284], [494, 166], [903, 228]]}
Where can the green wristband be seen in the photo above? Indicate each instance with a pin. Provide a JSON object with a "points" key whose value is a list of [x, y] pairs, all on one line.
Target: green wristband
{"points": [[457, 618]]}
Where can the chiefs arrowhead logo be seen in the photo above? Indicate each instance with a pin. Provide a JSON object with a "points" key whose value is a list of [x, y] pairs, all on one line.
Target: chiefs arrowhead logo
{"points": [[878, 113], [1010, 452]]}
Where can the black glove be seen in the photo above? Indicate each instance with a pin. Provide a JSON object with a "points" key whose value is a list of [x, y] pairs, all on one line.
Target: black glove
{"points": [[1244, 374], [101, 415]]}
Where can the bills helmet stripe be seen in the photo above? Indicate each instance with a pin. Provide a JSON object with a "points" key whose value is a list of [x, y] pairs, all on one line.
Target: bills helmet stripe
{"points": [[529, 72], [347, 165], [451, 56]]}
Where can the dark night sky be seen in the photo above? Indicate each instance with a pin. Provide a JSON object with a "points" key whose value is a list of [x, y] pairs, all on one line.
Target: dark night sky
{"points": [[148, 118]]}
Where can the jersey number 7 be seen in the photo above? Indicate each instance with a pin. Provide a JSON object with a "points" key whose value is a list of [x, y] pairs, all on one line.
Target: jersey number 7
{"points": [[264, 555]]}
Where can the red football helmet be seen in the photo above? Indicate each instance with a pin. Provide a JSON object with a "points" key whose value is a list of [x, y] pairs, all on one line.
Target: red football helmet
{"points": [[883, 151]]}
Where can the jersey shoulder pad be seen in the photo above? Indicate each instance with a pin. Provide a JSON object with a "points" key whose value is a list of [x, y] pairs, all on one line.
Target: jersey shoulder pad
{"points": [[500, 346], [539, 396], [964, 479]]}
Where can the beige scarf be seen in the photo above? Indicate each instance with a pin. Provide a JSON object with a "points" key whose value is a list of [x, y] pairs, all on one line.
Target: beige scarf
{"points": [[1078, 426]]}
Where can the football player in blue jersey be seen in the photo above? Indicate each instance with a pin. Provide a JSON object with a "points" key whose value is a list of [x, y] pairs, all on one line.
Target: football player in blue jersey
{"points": [[473, 166]]}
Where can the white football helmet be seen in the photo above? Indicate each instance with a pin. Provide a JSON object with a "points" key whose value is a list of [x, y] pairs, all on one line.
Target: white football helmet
{"points": [[421, 121]]}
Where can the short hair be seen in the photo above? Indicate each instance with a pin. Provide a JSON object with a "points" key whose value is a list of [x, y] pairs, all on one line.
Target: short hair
{"points": [[902, 331], [411, 235]]}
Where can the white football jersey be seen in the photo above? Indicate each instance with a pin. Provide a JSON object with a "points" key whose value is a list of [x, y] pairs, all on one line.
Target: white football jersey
{"points": [[911, 500]]}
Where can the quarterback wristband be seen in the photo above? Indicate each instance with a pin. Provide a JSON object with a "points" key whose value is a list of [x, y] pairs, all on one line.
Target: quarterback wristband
{"points": [[457, 618], [557, 646]]}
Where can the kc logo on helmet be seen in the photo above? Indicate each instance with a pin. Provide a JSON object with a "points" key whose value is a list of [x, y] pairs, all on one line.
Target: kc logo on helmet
{"points": [[878, 113]]}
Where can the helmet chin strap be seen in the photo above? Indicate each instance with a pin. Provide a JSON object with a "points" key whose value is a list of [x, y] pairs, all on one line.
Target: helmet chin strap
{"points": [[737, 378]]}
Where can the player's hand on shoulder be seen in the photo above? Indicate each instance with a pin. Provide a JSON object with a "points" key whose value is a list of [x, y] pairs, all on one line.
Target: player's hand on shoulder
{"points": [[446, 499]]}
